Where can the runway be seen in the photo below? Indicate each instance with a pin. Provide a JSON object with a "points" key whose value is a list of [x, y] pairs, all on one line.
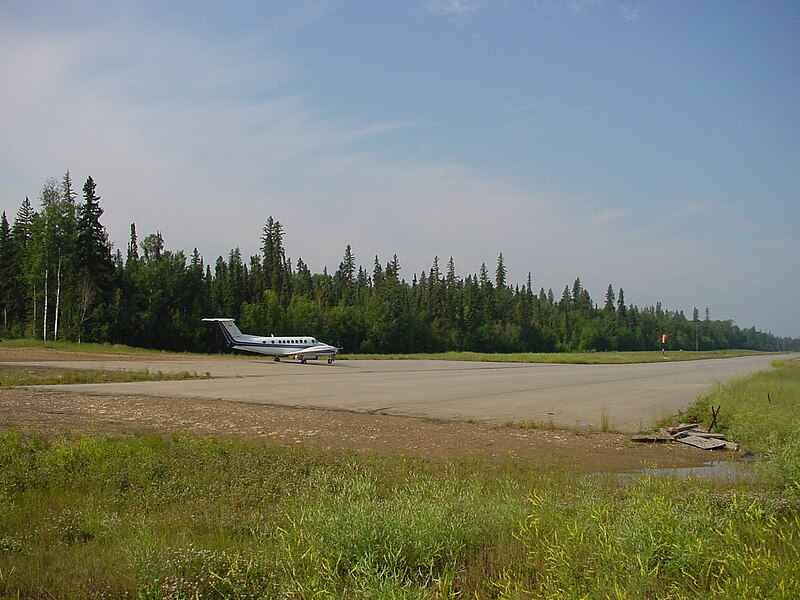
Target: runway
{"points": [[629, 396]]}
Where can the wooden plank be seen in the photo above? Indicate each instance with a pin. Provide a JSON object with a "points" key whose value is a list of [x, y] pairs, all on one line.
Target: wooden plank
{"points": [[683, 427], [707, 435], [704, 444], [651, 438]]}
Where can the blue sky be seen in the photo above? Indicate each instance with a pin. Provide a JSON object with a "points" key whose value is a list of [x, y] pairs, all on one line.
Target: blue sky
{"points": [[651, 145]]}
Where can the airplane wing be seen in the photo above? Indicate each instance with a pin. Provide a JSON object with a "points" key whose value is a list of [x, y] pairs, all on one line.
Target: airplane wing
{"points": [[320, 350]]}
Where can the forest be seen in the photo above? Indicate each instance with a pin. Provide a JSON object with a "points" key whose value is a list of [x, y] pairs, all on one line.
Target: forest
{"points": [[61, 279]]}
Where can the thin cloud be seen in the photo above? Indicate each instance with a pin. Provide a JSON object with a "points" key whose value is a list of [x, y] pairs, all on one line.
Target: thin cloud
{"points": [[608, 215], [584, 109], [629, 13], [522, 108], [580, 7], [457, 8]]}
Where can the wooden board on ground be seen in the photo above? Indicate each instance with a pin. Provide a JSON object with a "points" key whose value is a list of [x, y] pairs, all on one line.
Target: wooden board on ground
{"points": [[705, 435], [705, 444], [651, 438]]}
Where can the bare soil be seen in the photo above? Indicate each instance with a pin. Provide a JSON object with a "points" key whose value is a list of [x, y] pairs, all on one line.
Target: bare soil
{"points": [[62, 413]]}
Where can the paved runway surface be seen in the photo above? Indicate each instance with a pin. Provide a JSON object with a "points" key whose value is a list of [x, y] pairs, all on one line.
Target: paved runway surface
{"points": [[631, 396]]}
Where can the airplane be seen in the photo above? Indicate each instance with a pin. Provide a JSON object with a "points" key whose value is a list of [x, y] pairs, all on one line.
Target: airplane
{"points": [[297, 347]]}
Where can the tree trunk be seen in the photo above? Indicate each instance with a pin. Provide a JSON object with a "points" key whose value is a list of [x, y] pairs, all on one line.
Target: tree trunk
{"points": [[31, 329], [44, 319], [58, 300]]}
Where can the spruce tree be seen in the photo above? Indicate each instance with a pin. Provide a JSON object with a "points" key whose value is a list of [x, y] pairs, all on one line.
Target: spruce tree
{"points": [[344, 278], [133, 249], [7, 270], [96, 270], [610, 300], [500, 273], [276, 269], [21, 234]]}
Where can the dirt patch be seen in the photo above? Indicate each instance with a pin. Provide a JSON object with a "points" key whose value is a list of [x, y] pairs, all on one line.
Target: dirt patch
{"points": [[60, 413]]}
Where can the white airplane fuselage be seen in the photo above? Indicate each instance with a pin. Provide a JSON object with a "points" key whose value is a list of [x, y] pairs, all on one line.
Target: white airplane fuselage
{"points": [[297, 347]]}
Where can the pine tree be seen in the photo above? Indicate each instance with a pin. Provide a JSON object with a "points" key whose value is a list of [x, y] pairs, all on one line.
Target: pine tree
{"points": [[133, 249], [23, 296], [621, 308], [344, 278], [276, 268], [610, 300], [7, 270], [303, 282], [450, 279], [483, 277], [393, 268], [96, 270], [500, 273], [377, 273]]}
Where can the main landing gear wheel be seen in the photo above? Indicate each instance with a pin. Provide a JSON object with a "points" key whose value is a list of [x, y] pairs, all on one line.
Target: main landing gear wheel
{"points": [[277, 359], [330, 360], [303, 361]]}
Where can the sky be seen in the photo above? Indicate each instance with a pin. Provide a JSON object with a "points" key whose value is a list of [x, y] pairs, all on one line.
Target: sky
{"points": [[653, 146]]}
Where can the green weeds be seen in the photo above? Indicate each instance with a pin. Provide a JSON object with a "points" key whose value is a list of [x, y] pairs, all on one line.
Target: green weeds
{"points": [[762, 413], [154, 516], [25, 376], [655, 538], [543, 425], [83, 347], [604, 424], [578, 358]]}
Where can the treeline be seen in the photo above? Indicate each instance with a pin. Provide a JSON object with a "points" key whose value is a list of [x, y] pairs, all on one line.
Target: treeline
{"points": [[61, 279]]}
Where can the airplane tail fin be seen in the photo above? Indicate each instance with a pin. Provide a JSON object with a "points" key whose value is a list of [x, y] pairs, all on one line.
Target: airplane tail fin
{"points": [[229, 330]]}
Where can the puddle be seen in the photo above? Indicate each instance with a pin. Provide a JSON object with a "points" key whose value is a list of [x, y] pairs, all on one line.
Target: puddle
{"points": [[718, 470]]}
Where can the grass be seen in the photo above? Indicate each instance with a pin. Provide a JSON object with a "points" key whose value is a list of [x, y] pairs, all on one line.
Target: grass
{"points": [[577, 358], [519, 357], [604, 424], [183, 517], [762, 413], [542, 425], [84, 347], [26, 376], [169, 516]]}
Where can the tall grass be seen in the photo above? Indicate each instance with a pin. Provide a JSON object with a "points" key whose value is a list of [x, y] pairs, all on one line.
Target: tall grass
{"points": [[83, 347], [184, 517], [762, 413], [180, 517], [25, 376], [154, 516], [655, 538]]}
